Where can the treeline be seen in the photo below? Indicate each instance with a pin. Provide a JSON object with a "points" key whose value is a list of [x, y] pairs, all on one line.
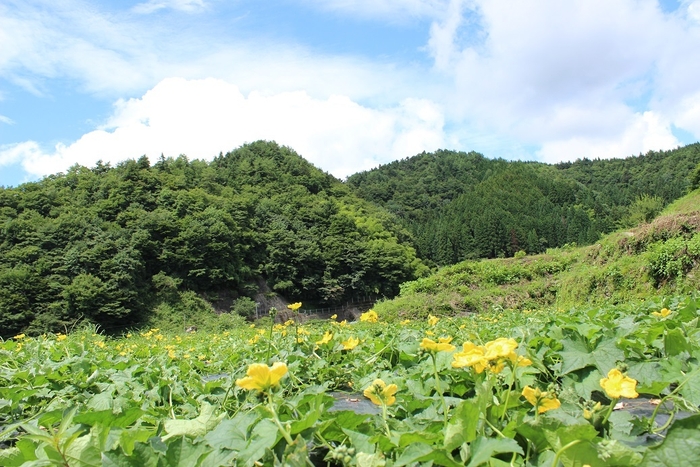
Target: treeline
{"points": [[464, 206], [111, 244]]}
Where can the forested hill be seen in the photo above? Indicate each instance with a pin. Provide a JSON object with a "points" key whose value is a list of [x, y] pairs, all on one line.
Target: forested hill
{"points": [[464, 206], [110, 244]]}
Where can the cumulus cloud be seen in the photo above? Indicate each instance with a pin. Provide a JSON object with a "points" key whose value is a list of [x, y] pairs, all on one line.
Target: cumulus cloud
{"points": [[201, 118], [645, 132], [566, 74]]}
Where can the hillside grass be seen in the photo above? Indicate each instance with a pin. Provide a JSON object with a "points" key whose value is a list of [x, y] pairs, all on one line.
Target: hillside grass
{"points": [[659, 258]]}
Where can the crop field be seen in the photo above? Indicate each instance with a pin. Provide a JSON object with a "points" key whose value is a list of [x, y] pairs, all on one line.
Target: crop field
{"points": [[600, 386]]}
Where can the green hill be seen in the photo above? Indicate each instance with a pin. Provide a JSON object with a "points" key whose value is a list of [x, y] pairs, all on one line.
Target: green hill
{"points": [[464, 206], [116, 245], [656, 258]]}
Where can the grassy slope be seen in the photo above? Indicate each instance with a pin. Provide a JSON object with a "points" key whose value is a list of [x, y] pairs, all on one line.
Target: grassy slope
{"points": [[659, 258]]}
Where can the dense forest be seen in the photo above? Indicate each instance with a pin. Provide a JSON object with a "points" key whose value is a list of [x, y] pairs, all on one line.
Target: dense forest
{"points": [[464, 206], [119, 245], [111, 244]]}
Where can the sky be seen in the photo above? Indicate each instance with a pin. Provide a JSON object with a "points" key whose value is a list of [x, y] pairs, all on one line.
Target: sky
{"points": [[348, 84]]}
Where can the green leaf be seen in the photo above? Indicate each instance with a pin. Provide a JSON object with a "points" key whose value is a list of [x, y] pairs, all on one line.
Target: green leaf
{"points": [[574, 357], [675, 343], [691, 389], [606, 355], [142, 456], [462, 425], [649, 377], [193, 428], [233, 433], [360, 441], [264, 436], [483, 449], [296, 454], [84, 452], [101, 401], [680, 447], [182, 452]]}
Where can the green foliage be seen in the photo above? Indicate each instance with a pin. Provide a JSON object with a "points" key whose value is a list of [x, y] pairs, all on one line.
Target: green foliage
{"points": [[244, 307], [154, 398], [657, 258], [113, 244], [644, 209], [463, 206], [672, 259]]}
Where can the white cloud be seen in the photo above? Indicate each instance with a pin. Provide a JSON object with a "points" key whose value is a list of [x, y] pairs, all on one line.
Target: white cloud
{"points": [[201, 118], [645, 132], [562, 75], [151, 6], [14, 153], [6, 120]]}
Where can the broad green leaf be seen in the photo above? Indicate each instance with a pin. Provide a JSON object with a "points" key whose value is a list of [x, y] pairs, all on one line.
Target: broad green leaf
{"points": [[482, 449], [675, 343], [182, 452], [424, 437], [12, 457], [264, 436], [101, 401], [360, 441], [462, 425], [193, 428], [680, 447], [649, 377], [233, 433], [606, 355], [691, 389], [84, 452], [574, 357], [419, 452]]}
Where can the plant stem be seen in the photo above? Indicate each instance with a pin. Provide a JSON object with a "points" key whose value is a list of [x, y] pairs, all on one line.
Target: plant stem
{"points": [[438, 388], [555, 461], [384, 418], [275, 418]]}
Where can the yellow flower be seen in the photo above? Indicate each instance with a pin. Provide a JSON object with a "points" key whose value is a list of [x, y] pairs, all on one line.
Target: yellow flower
{"points": [[544, 401], [325, 339], [379, 393], [433, 320], [369, 317], [254, 339], [443, 344], [19, 337], [405, 322], [262, 377], [501, 348], [294, 306], [617, 385], [470, 356], [334, 316], [662, 314], [61, 337], [350, 343], [524, 361]]}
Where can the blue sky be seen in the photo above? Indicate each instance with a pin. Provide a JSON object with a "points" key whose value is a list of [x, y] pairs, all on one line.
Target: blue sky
{"points": [[348, 84]]}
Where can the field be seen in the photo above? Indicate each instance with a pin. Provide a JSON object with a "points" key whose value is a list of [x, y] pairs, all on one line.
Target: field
{"points": [[584, 386]]}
